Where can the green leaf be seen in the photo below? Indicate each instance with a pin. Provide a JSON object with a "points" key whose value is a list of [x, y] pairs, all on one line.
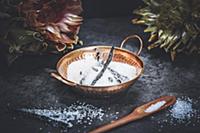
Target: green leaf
{"points": [[167, 41], [177, 23], [185, 38], [155, 44], [150, 29]]}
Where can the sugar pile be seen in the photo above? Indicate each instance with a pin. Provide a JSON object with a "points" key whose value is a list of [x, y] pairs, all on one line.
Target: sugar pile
{"points": [[84, 71], [155, 106], [183, 109], [77, 113], [183, 112]]}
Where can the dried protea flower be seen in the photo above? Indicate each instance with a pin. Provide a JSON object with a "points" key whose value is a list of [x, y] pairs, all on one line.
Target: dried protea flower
{"points": [[56, 20], [38, 26]]}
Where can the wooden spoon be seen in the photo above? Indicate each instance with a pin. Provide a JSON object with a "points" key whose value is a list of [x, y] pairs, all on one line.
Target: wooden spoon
{"points": [[138, 113]]}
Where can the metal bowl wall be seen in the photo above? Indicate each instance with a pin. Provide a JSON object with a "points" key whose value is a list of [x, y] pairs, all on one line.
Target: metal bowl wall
{"points": [[119, 55]]}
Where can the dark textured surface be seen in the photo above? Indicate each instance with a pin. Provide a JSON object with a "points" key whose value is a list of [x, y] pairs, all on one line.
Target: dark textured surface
{"points": [[102, 8], [28, 85]]}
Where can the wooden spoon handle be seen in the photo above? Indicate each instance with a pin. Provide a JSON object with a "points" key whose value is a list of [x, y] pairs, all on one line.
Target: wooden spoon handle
{"points": [[115, 124], [138, 113]]}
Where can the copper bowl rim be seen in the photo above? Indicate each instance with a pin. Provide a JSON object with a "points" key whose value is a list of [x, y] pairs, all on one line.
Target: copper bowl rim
{"points": [[104, 46]]}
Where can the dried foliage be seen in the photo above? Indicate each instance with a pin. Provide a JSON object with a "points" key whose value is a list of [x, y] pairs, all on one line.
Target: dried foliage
{"points": [[38, 26], [174, 25]]}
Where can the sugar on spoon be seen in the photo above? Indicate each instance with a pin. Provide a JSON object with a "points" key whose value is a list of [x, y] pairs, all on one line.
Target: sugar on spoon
{"points": [[139, 113]]}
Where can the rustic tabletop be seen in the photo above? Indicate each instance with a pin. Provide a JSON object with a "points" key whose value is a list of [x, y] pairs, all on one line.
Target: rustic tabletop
{"points": [[28, 85]]}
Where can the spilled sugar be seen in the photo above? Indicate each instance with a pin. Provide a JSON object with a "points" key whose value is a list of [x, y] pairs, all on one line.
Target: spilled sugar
{"points": [[183, 112], [77, 113], [84, 71], [155, 106], [182, 109]]}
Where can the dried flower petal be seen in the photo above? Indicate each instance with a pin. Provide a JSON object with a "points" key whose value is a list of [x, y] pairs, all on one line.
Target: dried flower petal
{"points": [[57, 20]]}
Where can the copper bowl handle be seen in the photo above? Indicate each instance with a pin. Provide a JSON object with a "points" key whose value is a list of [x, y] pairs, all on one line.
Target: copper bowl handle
{"points": [[58, 77], [133, 37]]}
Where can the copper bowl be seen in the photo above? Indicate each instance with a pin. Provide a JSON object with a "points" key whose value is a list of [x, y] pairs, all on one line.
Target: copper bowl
{"points": [[120, 55]]}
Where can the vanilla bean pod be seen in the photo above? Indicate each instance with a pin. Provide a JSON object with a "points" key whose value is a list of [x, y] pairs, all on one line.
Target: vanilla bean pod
{"points": [[100, 74], [120, 78]]}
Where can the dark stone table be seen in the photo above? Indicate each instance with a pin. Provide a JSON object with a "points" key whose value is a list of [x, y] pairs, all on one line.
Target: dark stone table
{"points": [[27, 84]]}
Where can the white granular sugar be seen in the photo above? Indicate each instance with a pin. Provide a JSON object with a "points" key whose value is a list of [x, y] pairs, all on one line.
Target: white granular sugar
{"points": [[155, 106], [184, 112], [77, 113], [84, 71], [182, 109]]}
